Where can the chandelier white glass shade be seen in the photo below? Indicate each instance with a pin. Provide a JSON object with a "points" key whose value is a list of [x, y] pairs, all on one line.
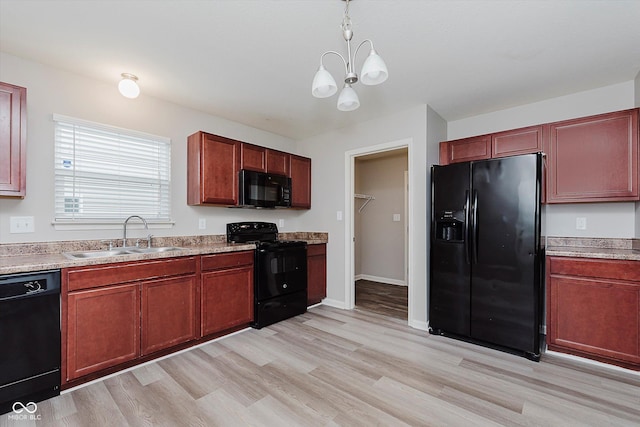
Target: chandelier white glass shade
{"points": [[348, 99], [374, 71], [128, 86]]}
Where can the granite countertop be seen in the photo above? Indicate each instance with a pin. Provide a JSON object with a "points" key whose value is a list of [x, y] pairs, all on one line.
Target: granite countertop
{"points": [[622, 249], [29, 257]]}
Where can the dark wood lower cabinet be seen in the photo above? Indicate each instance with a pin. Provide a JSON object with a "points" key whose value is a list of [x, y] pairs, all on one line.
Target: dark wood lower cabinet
{"points": [[168, 313], [103, 329], [117, 315], [227, 299], [593, 309], [316, 273]]}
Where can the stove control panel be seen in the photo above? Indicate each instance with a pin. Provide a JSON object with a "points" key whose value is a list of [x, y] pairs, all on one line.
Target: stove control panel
{"points": [[241, 232]]}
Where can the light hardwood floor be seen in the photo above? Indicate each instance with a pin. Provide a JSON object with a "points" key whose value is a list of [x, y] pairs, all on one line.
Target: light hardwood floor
{"points": [[382, 298], [333, 367]]}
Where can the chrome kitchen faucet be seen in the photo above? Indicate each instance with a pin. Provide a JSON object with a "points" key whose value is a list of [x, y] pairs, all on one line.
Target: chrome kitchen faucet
{"points": [[146, 227]]}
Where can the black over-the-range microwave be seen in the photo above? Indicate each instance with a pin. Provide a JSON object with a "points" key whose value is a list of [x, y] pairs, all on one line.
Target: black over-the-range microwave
{"points": [[264, 190]]}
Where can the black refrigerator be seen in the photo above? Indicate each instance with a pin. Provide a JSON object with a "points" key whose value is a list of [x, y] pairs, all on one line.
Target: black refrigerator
{"points": [[486, 254]]}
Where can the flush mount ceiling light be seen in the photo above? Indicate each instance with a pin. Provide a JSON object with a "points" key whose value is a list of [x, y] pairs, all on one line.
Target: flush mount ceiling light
{"points": [[374, 71], [128, 86]]}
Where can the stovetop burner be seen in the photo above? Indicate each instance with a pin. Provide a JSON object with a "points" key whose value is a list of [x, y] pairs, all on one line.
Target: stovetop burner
{"points": [[263, 234]]}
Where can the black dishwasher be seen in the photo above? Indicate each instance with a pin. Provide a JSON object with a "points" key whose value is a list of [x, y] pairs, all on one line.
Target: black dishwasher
{"points": [[30, 338]]}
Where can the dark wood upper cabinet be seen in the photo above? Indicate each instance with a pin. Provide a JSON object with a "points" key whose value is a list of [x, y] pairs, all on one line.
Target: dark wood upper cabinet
{"points": [[13, 138], [465, 149], [300, 182], [253, 157], [213, 164], [594, 159], [590, 159], [508, 143], [212, 170], [278, 162], [518, 141]]}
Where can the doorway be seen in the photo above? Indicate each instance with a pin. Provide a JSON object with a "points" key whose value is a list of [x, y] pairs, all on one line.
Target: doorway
{"points": [[401, 208], [380, 232]]}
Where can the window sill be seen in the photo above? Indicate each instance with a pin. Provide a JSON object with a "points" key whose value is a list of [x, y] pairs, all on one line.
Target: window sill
{"points": [[74, 225]]}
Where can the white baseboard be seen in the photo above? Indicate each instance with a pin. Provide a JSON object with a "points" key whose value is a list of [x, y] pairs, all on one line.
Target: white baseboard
{"points": [[418, 324], [380, 279], [334, 303]]}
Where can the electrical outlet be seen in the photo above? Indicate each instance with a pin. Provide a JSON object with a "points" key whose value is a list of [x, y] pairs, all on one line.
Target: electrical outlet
{"points": [[581, 223], [339, 215], [281, 223], [396, 217], [21, 224], [202, 223]]}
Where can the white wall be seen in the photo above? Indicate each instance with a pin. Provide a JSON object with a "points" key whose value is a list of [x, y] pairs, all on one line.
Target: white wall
{"points": [[328, 153], [51, 90], [380, 241], [637, 89], [615, 220]]}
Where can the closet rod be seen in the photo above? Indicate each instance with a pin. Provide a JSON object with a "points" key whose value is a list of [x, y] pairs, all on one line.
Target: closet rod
{"points": [[367, 198]]}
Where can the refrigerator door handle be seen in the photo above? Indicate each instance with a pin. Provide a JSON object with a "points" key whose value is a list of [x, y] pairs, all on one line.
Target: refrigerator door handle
{"points": [[474, 226], [466, 236]]}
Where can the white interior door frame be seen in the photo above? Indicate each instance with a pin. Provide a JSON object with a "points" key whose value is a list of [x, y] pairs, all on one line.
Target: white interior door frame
{"points": [[349, 216], [406, 226]]}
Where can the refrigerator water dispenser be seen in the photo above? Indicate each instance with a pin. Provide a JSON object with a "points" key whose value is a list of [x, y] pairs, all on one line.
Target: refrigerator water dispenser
{"points": [[449, 229]]}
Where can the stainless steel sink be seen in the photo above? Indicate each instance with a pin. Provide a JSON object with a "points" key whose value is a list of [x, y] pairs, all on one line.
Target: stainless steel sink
{"points": [[154, 250], [95, 254], [119, 251]]}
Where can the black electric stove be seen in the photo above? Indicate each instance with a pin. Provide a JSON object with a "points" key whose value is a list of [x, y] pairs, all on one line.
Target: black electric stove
{"points": [[280, 275]]}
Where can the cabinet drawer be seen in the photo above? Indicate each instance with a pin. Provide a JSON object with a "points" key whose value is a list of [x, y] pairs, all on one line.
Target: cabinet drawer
{"points": [[95, 276], [227, 260], [589, 267], [317, 249]]}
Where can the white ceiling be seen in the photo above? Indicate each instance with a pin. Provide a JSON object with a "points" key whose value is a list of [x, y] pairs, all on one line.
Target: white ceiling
{"points": [[252, 61]]}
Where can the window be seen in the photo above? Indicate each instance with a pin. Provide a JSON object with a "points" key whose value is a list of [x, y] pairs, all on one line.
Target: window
{"points": [[104, 174]]}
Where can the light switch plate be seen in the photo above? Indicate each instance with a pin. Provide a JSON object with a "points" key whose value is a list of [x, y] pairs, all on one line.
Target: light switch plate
{"points": [[202, 223], [396, 217], [581, 223], [21, 224], [281, 223]]}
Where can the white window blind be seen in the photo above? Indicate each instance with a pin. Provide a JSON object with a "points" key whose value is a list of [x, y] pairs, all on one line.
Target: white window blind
{"points": [[104, 174]]}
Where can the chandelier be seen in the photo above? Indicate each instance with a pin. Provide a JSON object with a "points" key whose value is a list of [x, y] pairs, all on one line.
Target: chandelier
{"points": [[374, 71]]}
